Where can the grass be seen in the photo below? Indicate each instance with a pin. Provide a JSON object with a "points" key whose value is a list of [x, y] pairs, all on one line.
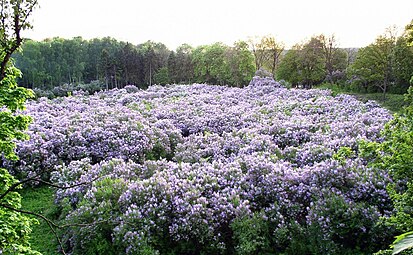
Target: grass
{"points": [[40, 200], [393, 102]]}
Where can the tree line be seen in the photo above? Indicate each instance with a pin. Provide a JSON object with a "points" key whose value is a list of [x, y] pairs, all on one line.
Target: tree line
{"points": [[384, 65], [56, 61]]}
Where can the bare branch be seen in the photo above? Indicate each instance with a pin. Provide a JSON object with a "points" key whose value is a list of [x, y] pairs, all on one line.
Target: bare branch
{"points": [[49, 222], [17, 23], [67, 187], [17, 184]]}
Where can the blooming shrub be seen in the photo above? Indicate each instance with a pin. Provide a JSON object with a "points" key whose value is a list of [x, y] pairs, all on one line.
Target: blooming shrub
{"points": [[192, 169]]}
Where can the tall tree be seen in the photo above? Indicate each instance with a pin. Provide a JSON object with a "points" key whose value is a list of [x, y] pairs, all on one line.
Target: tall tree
{"points": [[267, 52], [312, 61], [373, 65], [334, 57], [15, 226], [201, 65], [259, 56], [289, 68], [155, 56], [13, 20], [272, 50], [184, 64], [241, 63], [304, 63], [409, 33], [402, 64]]}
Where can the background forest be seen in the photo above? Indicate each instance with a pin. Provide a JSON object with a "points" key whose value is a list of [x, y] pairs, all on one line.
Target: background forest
{"points": [[58, 65]]}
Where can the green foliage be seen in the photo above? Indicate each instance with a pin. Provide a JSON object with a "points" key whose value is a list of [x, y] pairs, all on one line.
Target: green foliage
{"points": [[409, 33], [403, 242], [337, 227], [371, 67], [343, 153], [402, 64], [385, 65], [93, 236], [162, 76], [12, 125], [221, 64], [396, 155], [311, 63], [251, 235], [53, 62], [289, 67], [241, 63], [393, 102], [181, 66], [15, 227], [210, 64]]}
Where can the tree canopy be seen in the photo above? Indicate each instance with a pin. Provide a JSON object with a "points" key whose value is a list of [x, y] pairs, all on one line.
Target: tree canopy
{"points": [[15, 226]]}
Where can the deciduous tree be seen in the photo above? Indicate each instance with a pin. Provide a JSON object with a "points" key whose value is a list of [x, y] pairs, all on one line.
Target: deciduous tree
{"points": [[15, 226], [373, 65]]}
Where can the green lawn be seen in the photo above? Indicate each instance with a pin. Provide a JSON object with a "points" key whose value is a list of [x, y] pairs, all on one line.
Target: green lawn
{"points": [[40, 200], [393, 102]]}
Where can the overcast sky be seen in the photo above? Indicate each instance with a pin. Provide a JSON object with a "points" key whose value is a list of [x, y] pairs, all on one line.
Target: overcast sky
{"points": [[355, 23]]}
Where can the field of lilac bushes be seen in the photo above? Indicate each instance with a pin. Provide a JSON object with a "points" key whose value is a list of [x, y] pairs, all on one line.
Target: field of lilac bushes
{"points": [[202, 169]]}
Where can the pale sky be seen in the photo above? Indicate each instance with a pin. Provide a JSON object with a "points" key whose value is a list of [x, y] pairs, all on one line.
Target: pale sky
{"points": [[355, 23]]}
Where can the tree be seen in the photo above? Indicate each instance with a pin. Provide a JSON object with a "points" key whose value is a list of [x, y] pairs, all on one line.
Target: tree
{"points": [[259, 56], [162, 76], [272, 50], [267, 52], [14, 18], [31, 63], [217, 62], [373, 64], [201, 68], [303, 64], [402, 64], [241, 63], [289, 68], [172, 68], [155, 56], [334, 57], [130, 64], [409, 33], [312, 62], [15, 226], [184, 65]]}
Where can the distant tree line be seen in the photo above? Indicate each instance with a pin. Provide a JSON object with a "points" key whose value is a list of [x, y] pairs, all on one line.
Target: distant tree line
{"points": [[53, 62], [386, 64]]}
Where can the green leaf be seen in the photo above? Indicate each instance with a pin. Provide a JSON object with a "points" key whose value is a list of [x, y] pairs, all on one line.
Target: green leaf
{"points": [[403, 242]]}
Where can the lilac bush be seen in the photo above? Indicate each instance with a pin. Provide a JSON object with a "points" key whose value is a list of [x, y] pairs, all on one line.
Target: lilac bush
{"points": [[189, 169]]}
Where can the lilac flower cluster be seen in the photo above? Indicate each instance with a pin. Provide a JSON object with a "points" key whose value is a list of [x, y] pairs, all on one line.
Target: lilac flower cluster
{"points": [[176, 165], [264, 81], [79, 127], [197, 202]]}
